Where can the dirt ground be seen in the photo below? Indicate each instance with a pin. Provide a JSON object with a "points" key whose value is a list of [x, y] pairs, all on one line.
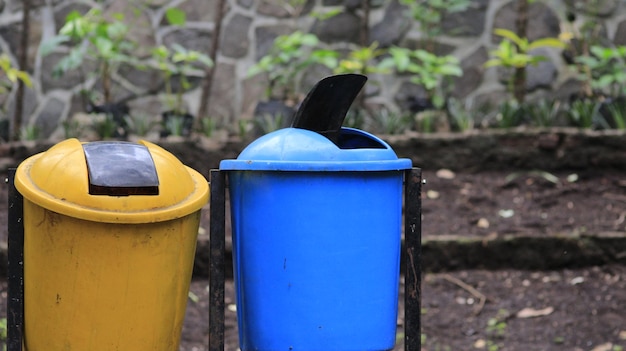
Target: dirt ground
{"points": [[501, 309]]}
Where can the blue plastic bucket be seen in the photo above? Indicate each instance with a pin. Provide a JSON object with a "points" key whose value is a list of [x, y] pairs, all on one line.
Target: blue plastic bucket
{"points": [[316, 241]]}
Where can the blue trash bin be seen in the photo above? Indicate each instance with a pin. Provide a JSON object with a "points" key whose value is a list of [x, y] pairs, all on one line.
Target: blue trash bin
{"points": [[316, 241]]}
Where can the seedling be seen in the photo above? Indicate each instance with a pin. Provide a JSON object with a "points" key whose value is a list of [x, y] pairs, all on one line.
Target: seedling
{"points": [[430, 14], [607, 68], [268, 123], [496, 329], [426, 69], [515, 52], [390, 122], [362, 61], [29, 133], [208, 126], [461, 115], [178, 63], [544, 113], [618, 113], [93, 36], [139, 123], [289, 56], [586, 114], [12, 74]]}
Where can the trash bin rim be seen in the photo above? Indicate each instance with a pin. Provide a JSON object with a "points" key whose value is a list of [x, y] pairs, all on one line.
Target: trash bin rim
{"points": [[293, 149], [192, 202], [400, 164]]}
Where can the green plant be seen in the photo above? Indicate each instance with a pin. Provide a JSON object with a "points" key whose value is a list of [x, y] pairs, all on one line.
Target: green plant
{"points": [[12, 74], [354, 119], [607, 69], [243, 128], [390, 122], [97, 37], [177, 62], [426, 121], [139, 123], [71, 128], [429, 14], [426, 69], [585, 113], [3, 333], [174, 125], [362, 61], [105, 126], [289, 56], [514, 52], [3, 329], [579, 40], [618, 114], [268, 123], [208, 126], [544, 113], [461, 115], [509, 114], [496, 329], [29, 133]]}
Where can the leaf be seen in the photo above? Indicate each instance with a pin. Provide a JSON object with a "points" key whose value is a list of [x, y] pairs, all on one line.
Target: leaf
{"points": [[451, 70], [51, 44], [176, 16], [533, 313], [24, 77], [401, 58], [493, 63], [505, 33], [322, 16], [546, 42], [104, 46]]}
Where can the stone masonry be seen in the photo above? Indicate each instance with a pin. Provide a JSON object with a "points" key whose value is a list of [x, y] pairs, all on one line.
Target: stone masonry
{"points": [[250, 26]]}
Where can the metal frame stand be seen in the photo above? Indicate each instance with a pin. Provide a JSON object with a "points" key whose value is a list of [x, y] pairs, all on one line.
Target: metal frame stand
{"points": [[413, 259], [412, 247], [217, 245], [15, 267]]}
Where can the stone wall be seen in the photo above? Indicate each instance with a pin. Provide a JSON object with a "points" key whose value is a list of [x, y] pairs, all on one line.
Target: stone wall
{"points": [[249, 28]]}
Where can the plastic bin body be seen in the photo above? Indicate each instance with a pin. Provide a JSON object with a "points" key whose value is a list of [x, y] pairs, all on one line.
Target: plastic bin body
{"points": [[105, 272], [316, 248]]}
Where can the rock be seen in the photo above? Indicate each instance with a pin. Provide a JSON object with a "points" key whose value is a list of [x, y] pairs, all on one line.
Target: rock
{"points": [[235, 41]]}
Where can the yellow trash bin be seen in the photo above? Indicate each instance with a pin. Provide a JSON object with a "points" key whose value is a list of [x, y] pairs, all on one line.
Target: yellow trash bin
{"points": [[110, 233]]}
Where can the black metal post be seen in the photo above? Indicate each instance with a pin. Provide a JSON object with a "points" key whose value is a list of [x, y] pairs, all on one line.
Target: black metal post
{"points": [[413, 247], [15, 267], [217, 247]]}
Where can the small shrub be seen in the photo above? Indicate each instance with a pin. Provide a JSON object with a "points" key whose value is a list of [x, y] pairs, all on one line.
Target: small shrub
{"points": [[268, 123], [544, 113], [207, 125], [71, 128], [174, 125], [509, 114], [461, 115], [105, 126], [584, 113], [139, 123], [390, 122], [29, 133]]}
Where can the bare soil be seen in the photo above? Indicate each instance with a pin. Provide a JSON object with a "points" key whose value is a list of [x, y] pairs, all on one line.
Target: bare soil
{"points": [[575, 307], [528, 281]]}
